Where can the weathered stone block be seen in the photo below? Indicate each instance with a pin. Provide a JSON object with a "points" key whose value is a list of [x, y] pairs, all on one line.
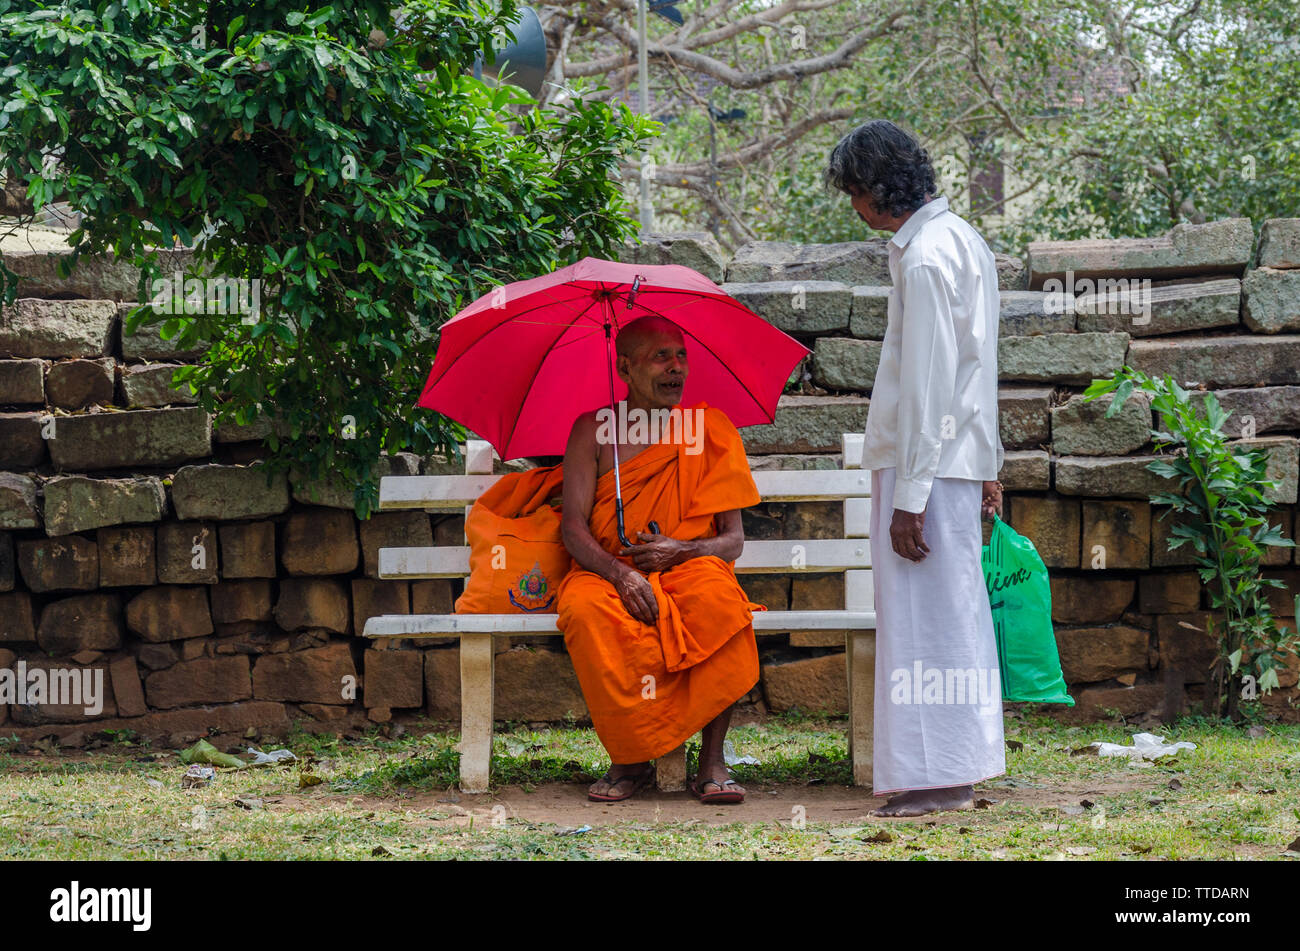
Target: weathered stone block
{"points": [[1125, 701], [236, 601], [1090, 600], [73, 384], [1116, 535], [90, 701], [16, 618], [147, 342], [187, 553], [96, 277], [319, 541], [819, 592], [869, 313], [1023, 420], [537, 685], [1282, 600], [442, 683], [849, 262], [815, 685], [1279, 243], [771, 591], [1257, 410], [82, 622], [394, 679], [126, 556], [697, 250], [1186, 644], [22, 381], [151, 385], [1090, 654], [77, 503], [1080, 427], [69, 563], [395, 530], [798, 306], [313, 603], [1077, 358], [1027, 313], [128, 692], [808, 424], [205, 680], [374, 598], [332, 495], [1283, 466], [22, 443], [169, 613], [18, 501], [248, 550], [1175, 592], [57, 328], [1145, 311], [1271, 300], [229, 492], [157, 656], [150, 437], [842, 363], [1102, 477], [1027, 470], [1051, 523], [1187, 250], [783, 460], [1241, 360], [305, 676], [432, 597]]}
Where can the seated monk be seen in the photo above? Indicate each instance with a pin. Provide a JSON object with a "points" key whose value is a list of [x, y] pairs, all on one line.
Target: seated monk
{"points": [[660, 633]]}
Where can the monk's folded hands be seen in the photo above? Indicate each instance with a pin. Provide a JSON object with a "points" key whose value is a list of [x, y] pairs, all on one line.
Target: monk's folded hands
{"points": [[637, 595], [656, 552]]}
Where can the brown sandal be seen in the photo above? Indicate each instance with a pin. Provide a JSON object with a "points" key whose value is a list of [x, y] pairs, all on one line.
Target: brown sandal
{"points": [[722, 796], [638, 780]]}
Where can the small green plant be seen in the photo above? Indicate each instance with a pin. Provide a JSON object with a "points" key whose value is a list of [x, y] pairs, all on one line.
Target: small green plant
{"points": [[1221, 491]]}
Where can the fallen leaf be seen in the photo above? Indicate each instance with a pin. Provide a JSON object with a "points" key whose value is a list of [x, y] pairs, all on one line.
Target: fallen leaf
{"points": [[1175, 784], [380, 850], [1256, 732], [985, 803], [248, 802], [1294, 846], [1015, 746], [881, 836], [1080, 850], [1141, 849], [308, 779], [963, 830], [1087, 803], [1089, 750]]}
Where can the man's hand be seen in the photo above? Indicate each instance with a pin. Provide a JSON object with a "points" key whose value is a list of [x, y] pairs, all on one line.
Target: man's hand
{"points": [[637, 595], [905, 533], [656, 552], [991, 504]]}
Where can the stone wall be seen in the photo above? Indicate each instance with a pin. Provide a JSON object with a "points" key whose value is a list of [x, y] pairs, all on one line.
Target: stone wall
{"points": [[138, 539]]}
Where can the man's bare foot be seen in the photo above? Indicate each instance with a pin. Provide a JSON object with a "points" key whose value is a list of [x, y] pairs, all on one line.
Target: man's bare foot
{"points": [[922, 802], [620, 782]]}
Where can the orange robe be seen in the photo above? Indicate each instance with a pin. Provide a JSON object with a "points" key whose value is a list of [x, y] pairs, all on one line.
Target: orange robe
{"points": [[701, 654]]}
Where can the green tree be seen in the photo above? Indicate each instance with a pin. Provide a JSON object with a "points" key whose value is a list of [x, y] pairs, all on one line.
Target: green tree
{"points": [[355, 169]]}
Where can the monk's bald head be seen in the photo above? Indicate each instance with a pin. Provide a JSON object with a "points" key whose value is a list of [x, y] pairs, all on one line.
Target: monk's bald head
{"points": [[634, 337]]}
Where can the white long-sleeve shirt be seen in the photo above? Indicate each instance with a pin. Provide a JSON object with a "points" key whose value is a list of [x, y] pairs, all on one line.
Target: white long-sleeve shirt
{"points": [[934, 405]]}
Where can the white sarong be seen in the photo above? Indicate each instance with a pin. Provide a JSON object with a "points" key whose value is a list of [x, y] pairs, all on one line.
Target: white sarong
{"points": [[938, 709]]}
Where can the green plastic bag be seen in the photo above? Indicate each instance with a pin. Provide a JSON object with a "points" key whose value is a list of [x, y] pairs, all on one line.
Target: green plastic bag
{"points": [[1021, 599]]}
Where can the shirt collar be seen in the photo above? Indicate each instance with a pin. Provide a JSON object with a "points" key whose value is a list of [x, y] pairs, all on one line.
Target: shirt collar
{"points": [[930, 209]]}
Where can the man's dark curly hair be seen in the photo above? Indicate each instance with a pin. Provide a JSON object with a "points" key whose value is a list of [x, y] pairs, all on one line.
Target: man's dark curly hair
{"points": [[886, 163]]}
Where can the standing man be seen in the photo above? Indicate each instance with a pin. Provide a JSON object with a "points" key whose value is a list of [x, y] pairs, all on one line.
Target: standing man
{"points": [[932, 445]]}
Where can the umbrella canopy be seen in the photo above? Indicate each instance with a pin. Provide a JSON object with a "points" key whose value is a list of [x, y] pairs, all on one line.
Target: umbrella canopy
{"points": [[520, 364]]}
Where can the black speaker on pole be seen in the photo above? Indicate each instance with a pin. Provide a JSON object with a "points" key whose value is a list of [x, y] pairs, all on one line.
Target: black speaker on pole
{"points": [[522, 62]]}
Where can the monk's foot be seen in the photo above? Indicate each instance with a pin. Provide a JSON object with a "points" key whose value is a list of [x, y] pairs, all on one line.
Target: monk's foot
{"points": [[620, 782], [922, 802], [714, 785]]}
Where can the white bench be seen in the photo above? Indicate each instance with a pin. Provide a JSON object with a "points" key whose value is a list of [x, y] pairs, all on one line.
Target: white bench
{"points": [[850, 554]]}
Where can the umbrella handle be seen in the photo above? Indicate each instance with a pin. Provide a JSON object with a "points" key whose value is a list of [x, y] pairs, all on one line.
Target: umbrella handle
{"points": [[622, 536]]}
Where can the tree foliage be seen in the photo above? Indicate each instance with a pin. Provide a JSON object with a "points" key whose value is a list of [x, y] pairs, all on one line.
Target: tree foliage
{"points": [[355, 169]]}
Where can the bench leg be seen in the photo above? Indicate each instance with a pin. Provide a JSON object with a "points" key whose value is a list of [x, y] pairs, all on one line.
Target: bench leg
{"points": [[861, 660], [476, 702], [670, 770]]}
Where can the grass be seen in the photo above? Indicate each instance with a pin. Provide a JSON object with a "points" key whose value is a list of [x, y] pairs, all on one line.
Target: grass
{"points": [[1235, 796]]}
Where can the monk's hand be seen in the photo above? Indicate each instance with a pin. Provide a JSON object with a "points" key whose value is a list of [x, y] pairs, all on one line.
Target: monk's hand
{"points": [[991, 504], [656, 552], [905, 534], [637, 595]]}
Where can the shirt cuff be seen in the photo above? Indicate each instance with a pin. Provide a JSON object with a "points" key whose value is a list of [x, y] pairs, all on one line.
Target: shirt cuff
{"points": [[911, 496]]}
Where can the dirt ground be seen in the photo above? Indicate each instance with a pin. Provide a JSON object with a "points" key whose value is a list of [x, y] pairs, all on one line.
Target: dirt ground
{"points": [[566, 804]]}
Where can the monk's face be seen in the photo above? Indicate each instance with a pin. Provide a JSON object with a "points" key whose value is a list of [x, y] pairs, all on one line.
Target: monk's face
{"points": [[656, 371]]}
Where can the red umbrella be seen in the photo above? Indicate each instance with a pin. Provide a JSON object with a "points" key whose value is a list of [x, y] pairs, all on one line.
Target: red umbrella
{"points": [[520, 364]]}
